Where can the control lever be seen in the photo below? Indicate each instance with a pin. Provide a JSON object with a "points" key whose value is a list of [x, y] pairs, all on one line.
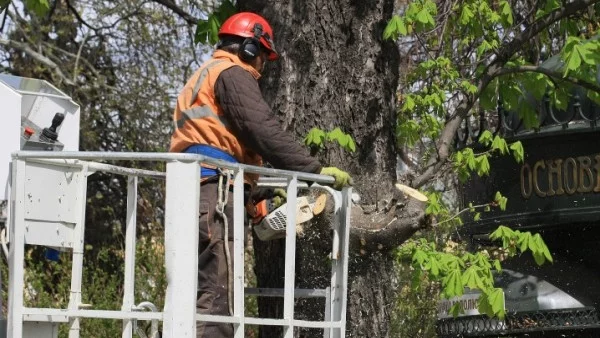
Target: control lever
{"points": [[49, 134]]}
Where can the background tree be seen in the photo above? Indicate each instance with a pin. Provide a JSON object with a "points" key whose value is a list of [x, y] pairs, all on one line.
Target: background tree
{"points": [[461, 52]]}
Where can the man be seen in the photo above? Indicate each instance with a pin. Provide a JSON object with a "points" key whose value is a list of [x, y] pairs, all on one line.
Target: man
{"points": [[221, 113]]}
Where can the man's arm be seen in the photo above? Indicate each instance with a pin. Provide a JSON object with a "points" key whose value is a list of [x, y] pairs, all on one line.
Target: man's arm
{"points": [[255, 125]]}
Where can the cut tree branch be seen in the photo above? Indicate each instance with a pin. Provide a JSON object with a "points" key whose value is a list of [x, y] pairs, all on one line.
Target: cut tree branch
{"points": [[504, 53]]}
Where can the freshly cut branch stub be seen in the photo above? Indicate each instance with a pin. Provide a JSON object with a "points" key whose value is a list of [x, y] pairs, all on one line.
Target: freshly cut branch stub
{"points": [[414, 193]]}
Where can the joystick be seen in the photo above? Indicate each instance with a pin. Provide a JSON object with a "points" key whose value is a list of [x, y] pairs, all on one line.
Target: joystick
{"points": [[49, 134]]}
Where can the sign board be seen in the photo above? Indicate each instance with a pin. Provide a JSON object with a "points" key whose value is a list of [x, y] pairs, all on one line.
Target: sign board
{"points": [[558, 183], [469, 304]]}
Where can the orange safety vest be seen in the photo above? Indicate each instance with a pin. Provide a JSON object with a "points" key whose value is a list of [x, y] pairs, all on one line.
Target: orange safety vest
{"points": [[199, 119]]}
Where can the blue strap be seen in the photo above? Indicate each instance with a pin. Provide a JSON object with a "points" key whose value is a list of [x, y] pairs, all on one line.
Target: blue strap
{"points": [[206, 150]]}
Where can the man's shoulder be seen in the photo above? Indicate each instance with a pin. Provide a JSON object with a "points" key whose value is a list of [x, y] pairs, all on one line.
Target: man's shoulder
{"points": [[236, 72]]}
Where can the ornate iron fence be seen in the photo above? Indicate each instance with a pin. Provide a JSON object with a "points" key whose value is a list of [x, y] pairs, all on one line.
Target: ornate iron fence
{"points": [[515, 324]]}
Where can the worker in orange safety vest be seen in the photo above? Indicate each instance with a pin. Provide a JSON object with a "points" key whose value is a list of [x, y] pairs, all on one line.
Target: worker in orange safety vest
{"points": [[221, 113]]}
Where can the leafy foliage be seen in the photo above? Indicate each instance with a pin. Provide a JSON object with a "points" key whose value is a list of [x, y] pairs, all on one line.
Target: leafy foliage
{"points": [[207, 30], [39, 7], [318, 138], [466, 161], [469, 57], [458, 271]]}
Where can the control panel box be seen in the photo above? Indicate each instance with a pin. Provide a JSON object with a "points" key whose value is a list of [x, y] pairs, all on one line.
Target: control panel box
{"points": [[35, 116]]}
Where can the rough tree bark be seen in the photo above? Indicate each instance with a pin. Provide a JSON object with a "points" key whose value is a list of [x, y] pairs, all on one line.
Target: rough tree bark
{"points": [[336, 71]]}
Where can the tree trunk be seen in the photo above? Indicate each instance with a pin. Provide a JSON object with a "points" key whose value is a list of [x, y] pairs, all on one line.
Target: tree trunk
{"points": [[335, 71]]}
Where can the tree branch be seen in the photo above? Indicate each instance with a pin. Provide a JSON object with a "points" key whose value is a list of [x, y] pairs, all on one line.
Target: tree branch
{"points": [[39, 57], [549, 73], [505, 52], [179, 11], [510, 48]]}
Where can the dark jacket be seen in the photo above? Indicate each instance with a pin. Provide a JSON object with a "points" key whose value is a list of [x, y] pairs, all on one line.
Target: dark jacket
{"points": [[254, 124]]}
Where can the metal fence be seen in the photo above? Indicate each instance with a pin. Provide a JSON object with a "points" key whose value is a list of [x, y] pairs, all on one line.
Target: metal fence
{"points": [[48, 202]]}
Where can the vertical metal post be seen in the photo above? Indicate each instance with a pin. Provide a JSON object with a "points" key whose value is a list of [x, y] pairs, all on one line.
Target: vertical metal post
{"points": [[17, 250], [181, 249], [290, 258], [78, 250], [327, 331], [339, 268], [130, 234], [238, 252]]}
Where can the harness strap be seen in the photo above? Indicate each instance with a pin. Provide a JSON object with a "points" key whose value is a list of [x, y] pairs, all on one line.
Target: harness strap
{"points": [[222, 197]]}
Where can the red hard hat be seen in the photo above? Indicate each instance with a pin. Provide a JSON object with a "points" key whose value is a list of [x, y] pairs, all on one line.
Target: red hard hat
{"points": [[242, 24]]}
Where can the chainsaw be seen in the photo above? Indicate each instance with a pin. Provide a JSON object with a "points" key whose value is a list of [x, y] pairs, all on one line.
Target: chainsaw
{"points": [[270, 220]]}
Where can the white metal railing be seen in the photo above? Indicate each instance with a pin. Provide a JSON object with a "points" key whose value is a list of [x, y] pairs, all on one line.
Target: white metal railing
{"points": [[48, 200]]}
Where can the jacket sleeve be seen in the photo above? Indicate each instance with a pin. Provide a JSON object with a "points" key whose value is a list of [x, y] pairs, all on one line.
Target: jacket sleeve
{"points": [[251, 120]]}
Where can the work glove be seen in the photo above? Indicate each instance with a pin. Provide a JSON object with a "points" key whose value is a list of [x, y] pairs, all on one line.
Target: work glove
{"points": [[279, 197], [342, 178]]}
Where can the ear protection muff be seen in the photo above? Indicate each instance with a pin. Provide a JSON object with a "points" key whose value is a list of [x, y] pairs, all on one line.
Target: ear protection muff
{"points": [[251, 46]]}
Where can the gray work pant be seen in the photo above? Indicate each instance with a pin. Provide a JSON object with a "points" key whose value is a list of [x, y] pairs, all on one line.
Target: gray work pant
{"points": [[212, 263]]}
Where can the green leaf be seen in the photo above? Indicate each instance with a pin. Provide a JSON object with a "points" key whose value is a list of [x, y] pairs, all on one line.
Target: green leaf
{"points": [[470, 278], [433, 205], [409, 104], [523, 241], [452, 284], [511, 94], [335, 134], [489, 97], [466, 15], [501, 200], [214, 25], [518, 151], [560, 97], [468, 87], [484, 305], [483, 165], [395, 28], [535, 83], [408, 133], [456, 309], [420, 257], [477, 217], [470, 158], [351, 145], [497, 265], [502, 232], [529, 115], [315, 137], [500, 144], [572, 60], [496, 299], [486, 138], [225, 10], [435, 266], [202, 30], [506, 13], [425, 17], [39, 7], [594, 96], [542, 248]]}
